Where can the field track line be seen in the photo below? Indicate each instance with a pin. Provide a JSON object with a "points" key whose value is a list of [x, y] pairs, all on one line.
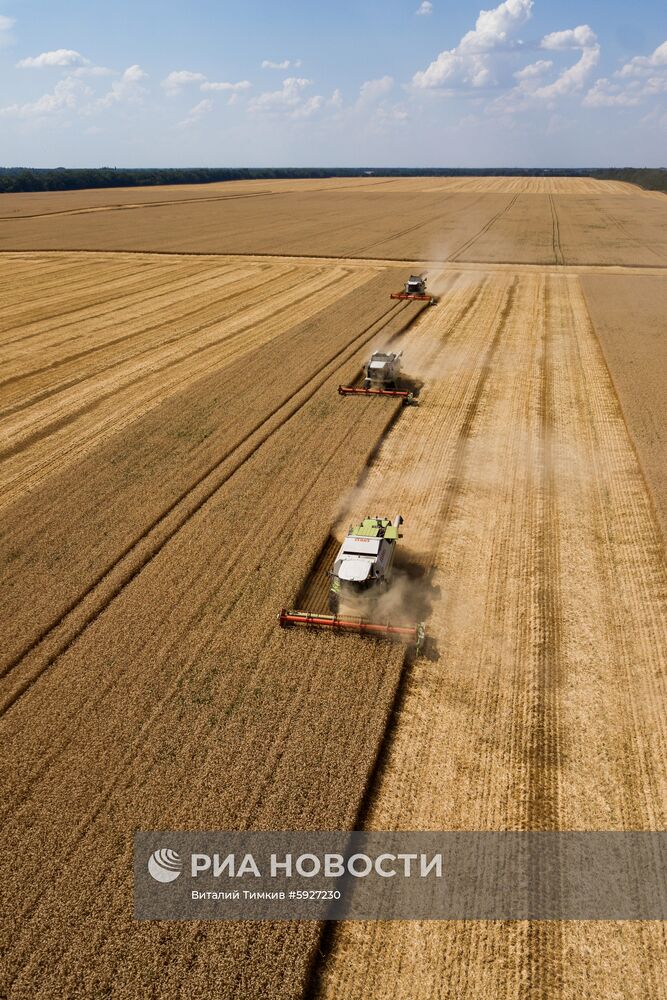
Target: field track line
{"points": [[60, 634], [190, 311], [64, 421], [177, 202], [544, 745], [153, 290], [140, 205], [555, 232], [485, 228], [384, 262], [412, 229]]}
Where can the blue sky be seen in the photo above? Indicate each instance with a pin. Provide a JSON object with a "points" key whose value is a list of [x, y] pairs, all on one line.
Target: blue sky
{"points": [[383, 82]]}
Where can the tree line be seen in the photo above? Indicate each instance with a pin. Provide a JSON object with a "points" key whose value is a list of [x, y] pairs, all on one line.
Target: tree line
{"points": [[14, 179]]}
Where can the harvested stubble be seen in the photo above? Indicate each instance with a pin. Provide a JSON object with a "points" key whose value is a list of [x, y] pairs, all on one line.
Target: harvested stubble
{"points": [[182, 703], [61, 537], [545, 710], [132, 330], [488, 219], [629, 319]]}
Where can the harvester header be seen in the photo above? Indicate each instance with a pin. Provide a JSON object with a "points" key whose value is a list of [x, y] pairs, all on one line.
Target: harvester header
{"points": [[413, 634]]}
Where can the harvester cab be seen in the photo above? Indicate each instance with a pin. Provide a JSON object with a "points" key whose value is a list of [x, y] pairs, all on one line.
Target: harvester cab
{"points": [[365, 560], [415, 290], [415, 285], [383, 371]]}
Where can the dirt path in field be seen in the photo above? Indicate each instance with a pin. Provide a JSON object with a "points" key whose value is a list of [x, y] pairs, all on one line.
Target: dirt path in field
{"points": [[526, 503]]}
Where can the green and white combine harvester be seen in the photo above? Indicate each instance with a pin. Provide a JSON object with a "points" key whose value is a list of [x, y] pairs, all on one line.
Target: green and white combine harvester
{"points": [[362, 572]]}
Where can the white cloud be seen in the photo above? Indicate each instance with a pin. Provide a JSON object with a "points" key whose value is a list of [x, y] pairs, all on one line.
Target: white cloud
{"points": [[574, 77], [126, 90], [581, 37], [212, 85], [336, 100], [92, 71], [66, 96], [425, 8], [471, 63], [290, 99], [374, 90], [196, 113], [285, 64], [534, 70], [179, 78], [57, 57], [309, 107], [645, 65], [6, 25], [640, 79], [605, 94]]}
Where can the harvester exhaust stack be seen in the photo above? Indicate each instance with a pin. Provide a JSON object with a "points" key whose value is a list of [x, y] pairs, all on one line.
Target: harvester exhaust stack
{"points": [[414, 634]]}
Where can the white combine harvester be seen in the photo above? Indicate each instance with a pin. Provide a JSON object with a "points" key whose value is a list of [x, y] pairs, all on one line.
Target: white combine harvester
{"points": [[415, 290], [363, 567], [382, 374]]}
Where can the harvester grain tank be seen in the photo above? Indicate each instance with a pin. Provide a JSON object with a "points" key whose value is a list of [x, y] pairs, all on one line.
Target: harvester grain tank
{"points": [[415, 290], [382, 375], [365, 560]]}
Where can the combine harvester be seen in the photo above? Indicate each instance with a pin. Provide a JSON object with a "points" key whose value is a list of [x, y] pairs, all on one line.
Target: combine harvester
{"points": [[361, 570], [415, 290], [381, 378]]}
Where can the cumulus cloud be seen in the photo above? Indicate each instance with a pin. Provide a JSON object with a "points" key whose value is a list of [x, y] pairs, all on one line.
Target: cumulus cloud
{"points": [[127, 89], [605, 94], [646, 65], [179, 78], [574, 77], [66, 96], [196, 113], [425, 8], [534, 70], [6, 25], [290, 99], [638, 80], [285, 64], [336, 100], [581, 37], [374, 90], [471, 63], [57, 57], [213, 85]]}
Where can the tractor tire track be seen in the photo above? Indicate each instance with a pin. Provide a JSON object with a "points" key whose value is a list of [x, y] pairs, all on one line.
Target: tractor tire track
{"points": [[485, 228], [555, 233]]}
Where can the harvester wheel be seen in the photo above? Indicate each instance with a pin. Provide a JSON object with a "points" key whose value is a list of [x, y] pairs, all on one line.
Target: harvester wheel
{"points": [[334, 602]]}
